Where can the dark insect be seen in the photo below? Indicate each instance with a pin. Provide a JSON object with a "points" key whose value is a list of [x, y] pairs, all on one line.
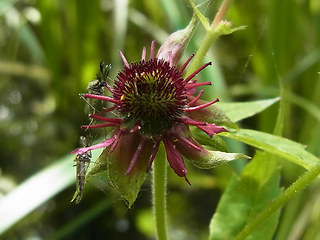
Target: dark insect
{"points": [[82, 162], [97, 85]]}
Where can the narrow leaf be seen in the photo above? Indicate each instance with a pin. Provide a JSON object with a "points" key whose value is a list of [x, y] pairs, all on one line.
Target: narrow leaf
{"points": [[276, 145], [245, 197], [35, 191], [224, 28], [241, 110], [203, 19]]}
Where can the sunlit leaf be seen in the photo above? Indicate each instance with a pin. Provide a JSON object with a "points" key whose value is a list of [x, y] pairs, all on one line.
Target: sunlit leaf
{"points": [[276, 145], [35, 191], [237, 111], [216, 158], [245, 197]]}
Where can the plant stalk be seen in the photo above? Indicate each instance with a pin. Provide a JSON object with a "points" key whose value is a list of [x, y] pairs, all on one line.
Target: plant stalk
{"points": [[302, 182], [159, 193]]}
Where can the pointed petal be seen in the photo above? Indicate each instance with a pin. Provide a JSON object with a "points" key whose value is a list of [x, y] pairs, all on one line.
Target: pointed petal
{"points": [[104, 144], [203, 158], [210, 114], [136, 155], [211, 129], [153, 155], [187, 149], [175, 159], [144, 51], [124, 60]]}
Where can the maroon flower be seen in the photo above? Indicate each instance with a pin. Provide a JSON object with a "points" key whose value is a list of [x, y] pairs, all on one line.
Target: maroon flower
{"points": [[152, 102]]}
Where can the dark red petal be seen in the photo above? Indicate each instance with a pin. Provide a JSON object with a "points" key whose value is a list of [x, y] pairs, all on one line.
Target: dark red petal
{"points": [[100, 97], [175, 160], [105, 119], [197, 71], [196, 98], [124, 60], [153, 155], [211, 129], [131, 154], [100, 125], [188, 150], [186, 63], [136, 155], [196, 108]]}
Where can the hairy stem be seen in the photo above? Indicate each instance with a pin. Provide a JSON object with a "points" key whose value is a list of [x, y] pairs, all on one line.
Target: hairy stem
{"points": [[213, 32], [303, 181], [159, 193], [207, 42]]}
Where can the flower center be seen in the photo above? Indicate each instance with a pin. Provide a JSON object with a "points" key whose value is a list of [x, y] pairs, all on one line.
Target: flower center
{"points": [[152, 95]]}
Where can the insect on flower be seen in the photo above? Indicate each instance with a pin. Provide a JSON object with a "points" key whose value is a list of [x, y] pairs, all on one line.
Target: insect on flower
{"points": [[82, 162], [97, 85], [153, 103]]}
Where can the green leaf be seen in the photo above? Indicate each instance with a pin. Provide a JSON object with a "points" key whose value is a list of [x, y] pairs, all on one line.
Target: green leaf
{"points": [[215, 159], [202, 18], [108, 169], [35, 191], [241, 110], [276, 145], [245, 197]]}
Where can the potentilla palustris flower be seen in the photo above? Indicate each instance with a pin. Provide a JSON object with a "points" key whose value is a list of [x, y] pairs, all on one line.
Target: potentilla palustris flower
{"points": [[152, 102]]}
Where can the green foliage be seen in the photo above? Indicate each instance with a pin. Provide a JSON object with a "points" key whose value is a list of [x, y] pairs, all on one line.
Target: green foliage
{"points": [[237, 111], [246, 196], [47, 183], [216, 158], [45, 62], [276, 145]]}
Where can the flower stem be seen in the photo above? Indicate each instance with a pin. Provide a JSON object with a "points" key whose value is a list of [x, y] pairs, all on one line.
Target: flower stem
{"points": [[207, 42], [212, 33], [303, 181], [159, 193]]}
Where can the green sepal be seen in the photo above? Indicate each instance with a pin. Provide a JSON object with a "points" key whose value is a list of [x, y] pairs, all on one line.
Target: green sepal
{"points": [[127, 186], [114, 165], [216, 158]]}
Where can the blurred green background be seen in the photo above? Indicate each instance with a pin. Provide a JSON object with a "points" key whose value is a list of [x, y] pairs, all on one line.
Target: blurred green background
{"points": [[50, 50]]}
